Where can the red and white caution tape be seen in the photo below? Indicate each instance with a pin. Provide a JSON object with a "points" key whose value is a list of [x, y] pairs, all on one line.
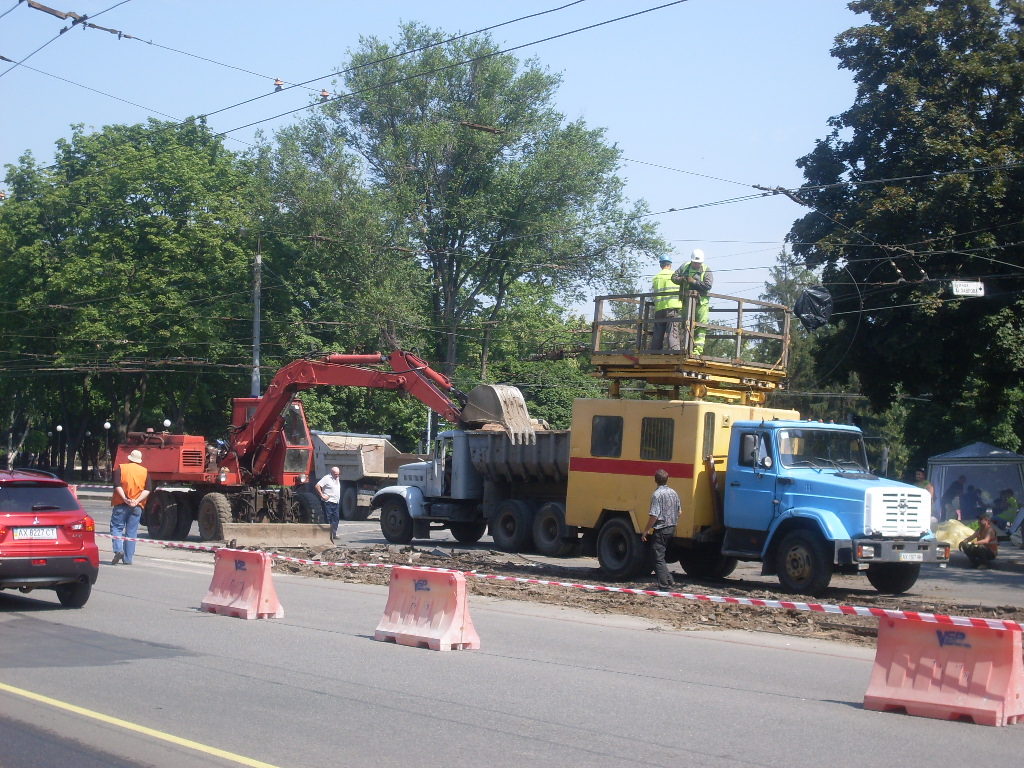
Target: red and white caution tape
{"points": [[846, 610]]}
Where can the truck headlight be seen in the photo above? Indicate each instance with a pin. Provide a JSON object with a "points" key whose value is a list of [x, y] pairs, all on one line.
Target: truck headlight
{"points": [[866, 551]]}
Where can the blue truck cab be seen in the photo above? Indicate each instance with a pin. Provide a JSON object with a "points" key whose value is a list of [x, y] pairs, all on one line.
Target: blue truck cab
{"points": [[800, 498]]}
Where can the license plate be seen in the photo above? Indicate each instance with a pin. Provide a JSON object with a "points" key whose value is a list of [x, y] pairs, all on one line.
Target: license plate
{"points": [[34, 533], [911, 557]]}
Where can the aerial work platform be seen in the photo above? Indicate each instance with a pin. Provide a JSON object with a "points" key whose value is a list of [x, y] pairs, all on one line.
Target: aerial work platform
{"points": [[745, 351]]}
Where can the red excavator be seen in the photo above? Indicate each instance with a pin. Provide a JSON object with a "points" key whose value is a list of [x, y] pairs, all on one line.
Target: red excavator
{"points": [[258, 476]]}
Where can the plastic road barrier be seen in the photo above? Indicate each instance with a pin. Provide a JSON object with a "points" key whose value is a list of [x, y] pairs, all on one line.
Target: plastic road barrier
{"points": [[948, 672], [242, 586], [427, 609]]}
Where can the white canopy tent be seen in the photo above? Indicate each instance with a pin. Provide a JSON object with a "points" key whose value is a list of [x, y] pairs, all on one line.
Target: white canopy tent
{"points": [[987, 468]]}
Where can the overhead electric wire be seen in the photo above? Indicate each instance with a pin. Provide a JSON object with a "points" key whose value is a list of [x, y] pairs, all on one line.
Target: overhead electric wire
{"points": [[59, 34]]}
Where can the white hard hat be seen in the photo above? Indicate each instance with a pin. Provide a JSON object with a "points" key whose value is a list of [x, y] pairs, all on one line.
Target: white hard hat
{"points": [[697, 257]]}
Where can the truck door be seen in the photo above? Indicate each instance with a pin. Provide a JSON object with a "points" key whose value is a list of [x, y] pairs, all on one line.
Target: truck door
{"points": [[750, 482]]}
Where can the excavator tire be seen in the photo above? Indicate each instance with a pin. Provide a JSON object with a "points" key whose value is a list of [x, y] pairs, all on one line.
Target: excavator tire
{"points": [[162, 515], [214, 514], [310, 508], [186, 514]]}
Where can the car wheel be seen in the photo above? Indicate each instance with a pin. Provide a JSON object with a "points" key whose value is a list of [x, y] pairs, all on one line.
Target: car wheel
{"points": [[74, 595], [802, 563], [620, 550], [395, 522]]}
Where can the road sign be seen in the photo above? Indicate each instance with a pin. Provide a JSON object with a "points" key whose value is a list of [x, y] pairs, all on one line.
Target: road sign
{"points": [[968, 288]]}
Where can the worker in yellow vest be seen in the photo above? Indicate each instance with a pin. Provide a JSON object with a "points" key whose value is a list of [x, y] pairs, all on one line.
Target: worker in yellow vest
{"points": [[667, 305], [695, 281], [131, 488]]}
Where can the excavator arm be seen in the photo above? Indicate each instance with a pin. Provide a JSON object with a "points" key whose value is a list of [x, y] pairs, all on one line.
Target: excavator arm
{"points": [[409, 373]]}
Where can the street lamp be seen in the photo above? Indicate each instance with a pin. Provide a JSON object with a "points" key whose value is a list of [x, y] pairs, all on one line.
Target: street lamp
{"points": [[60, 452], [106, 442]]}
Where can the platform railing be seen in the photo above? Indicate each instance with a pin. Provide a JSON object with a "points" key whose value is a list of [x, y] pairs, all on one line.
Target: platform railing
{"points": [[738, 330]]}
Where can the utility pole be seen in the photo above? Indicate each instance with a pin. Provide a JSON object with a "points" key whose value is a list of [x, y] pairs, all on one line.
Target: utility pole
{"points": [[257, 273]]}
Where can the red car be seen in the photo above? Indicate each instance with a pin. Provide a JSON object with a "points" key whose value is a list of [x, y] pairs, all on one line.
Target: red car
{"points": [[47, 541]]}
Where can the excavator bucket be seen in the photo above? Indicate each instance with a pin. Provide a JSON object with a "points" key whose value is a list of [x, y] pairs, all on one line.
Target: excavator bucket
{"points": [[499, 404]]}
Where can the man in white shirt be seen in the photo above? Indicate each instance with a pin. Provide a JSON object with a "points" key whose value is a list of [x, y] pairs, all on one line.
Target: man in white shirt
{"points": [[329, 489]]}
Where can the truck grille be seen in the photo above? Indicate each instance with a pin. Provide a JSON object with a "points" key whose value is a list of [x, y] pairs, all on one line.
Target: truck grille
{"points": [[897, 511], [192, 459]]}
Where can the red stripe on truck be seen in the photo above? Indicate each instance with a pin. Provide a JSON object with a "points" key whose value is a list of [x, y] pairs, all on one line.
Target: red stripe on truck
{"points": [[628, 467]]}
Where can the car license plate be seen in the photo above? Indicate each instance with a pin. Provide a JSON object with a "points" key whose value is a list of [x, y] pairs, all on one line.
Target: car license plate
{"points": [[35, 533], [911, 557]]}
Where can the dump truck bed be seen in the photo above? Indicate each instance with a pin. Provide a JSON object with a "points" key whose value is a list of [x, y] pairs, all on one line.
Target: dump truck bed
{"points": [[497, 458]]}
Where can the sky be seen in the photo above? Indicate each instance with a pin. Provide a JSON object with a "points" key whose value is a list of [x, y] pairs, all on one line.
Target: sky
{"points": [[705, 98]]}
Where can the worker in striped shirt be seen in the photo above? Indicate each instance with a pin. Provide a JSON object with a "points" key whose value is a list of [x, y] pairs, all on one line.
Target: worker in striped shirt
{"points": [[661, 526]]}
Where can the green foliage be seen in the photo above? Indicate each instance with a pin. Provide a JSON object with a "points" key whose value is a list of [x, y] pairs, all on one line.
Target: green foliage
{"points": [[915, 186], [534, 198]]}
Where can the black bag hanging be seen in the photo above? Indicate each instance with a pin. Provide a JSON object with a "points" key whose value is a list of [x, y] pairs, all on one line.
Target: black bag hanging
{"points": [[814, 307]]}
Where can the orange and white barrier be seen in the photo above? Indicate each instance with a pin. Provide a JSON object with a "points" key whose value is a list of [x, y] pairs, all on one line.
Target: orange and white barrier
{"points": [[427, 609], [948, 672], [242, 586]]}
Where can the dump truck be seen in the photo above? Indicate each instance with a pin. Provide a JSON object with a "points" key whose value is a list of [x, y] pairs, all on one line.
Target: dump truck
{"points": [[366, 463], [756, 483], [251, 485]]}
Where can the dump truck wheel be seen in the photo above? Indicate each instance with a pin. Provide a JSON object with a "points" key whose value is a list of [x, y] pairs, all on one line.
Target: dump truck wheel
{"points": [[893, 578], [214, 514], [802, 564], [550, 533], [186, 513], [468, 533], [512, 526], [349, 501], [705, 564], [162, 515], [395, 522], [310, 508], [620, 551]]}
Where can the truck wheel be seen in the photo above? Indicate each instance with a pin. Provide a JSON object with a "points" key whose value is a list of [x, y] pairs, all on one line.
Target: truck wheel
{"points": [[214, 514], [349, 501], [162, 516], [395, 522], [73, 595], [468, 533], [893, 578], [620, 551], [706, 564], [550, 533], [512, 526], [310, 508], [803, 564], [186, 513]]}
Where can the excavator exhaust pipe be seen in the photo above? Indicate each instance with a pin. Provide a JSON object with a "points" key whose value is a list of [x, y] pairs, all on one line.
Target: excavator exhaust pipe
{"points": [[499, 404]]}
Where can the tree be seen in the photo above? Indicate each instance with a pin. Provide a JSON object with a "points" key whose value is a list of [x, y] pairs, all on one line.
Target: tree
{"points": [[480, 178], [918, 184], [123, 260]]}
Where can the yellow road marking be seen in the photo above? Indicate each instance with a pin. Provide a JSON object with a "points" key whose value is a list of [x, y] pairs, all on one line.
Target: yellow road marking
{"points": [[137, 728]]}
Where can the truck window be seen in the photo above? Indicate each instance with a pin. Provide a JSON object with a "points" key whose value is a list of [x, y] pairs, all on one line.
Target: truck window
{"points": [[822, 448], [708, 448], [754, 449], [656, 439], [606, 436]]}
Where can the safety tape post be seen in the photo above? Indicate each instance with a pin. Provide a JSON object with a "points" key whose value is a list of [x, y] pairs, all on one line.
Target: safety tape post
{"points": [[847, 610]]}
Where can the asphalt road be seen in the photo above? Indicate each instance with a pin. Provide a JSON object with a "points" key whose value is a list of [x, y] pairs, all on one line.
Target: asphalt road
{"points": [[158, 682]]}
